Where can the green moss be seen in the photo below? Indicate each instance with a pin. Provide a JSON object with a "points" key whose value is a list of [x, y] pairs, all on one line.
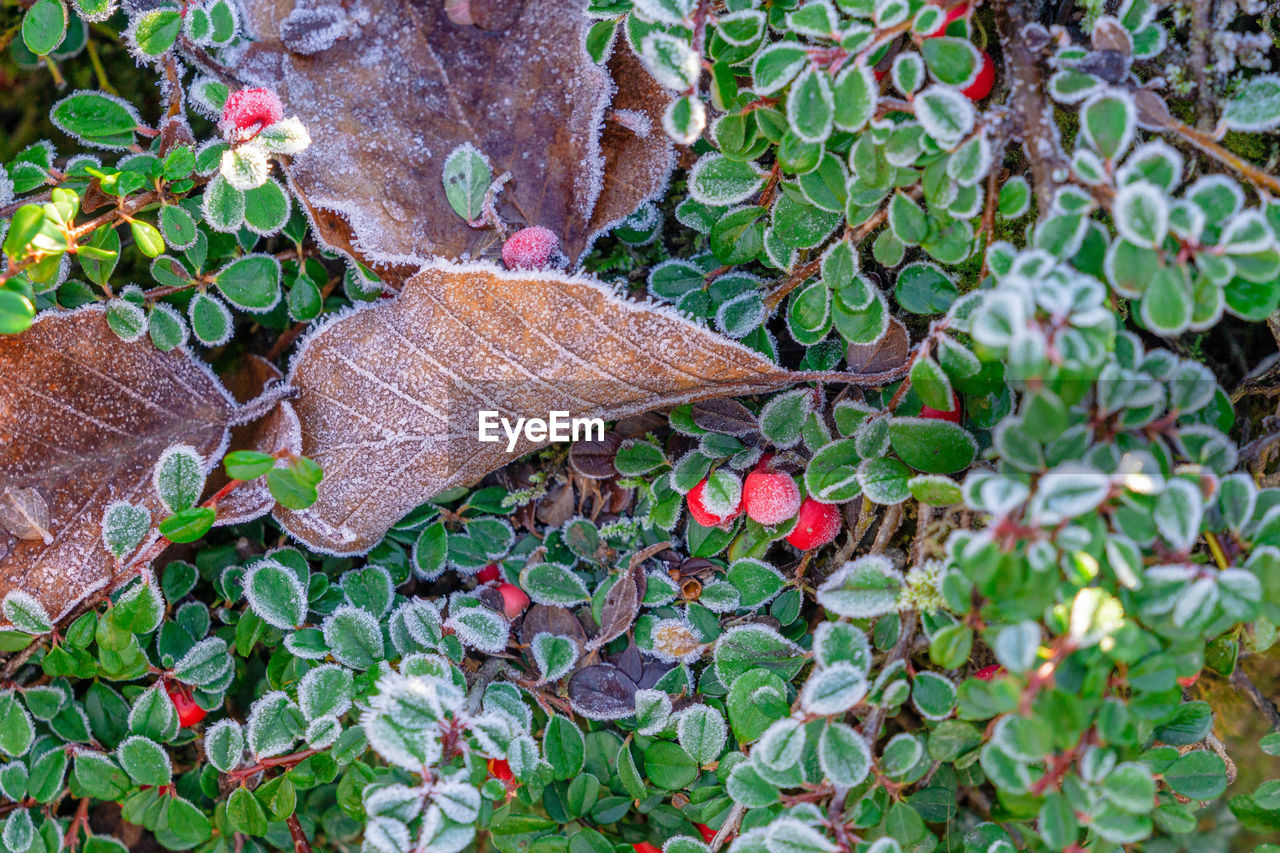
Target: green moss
{"points": [[1254, 146]]}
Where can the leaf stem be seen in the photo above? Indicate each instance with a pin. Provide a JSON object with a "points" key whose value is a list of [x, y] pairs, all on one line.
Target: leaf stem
{"points": [[300, 842]]}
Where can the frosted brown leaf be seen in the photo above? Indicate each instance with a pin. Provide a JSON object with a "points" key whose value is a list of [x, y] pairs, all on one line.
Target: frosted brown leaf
{"points": [[389, 397], [25, 514], [83, 418], [274, 431], [388, 88]]}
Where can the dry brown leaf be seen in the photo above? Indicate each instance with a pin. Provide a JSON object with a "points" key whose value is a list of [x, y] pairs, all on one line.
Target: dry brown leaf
{"points": [[389, 396], [621, 604], [276, 430], [552, 620], [25, 514], [389, 91], [83, 418], [891, 350], [603, 692]]}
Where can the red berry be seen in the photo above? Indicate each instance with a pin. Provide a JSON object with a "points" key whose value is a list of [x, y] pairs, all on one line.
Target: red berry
{"points": [[500, 770], [955, 13], [514, 600], [989, 673], [530, 248], [816, 525], [488, 573], [1189, 680], [707, 832], [248, 111], [698, 507], [984, 82], [189, 713], [770, 497], [646, 847], [939, 415]]}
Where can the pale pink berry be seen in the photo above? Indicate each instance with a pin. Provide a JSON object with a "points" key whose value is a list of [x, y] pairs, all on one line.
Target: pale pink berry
{"points": [[248, 111], [770, 497], [530, 248]]}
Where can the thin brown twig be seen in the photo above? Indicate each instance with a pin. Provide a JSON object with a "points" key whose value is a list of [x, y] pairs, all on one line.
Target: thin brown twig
{"points": [[275, 761], [729, 828], [1242, 682], [81, 819], [11, 208], [810, 268], [1208, 145], [909, 620], [1198, 47], [1038, 130], [300, 842], [988, 228]]}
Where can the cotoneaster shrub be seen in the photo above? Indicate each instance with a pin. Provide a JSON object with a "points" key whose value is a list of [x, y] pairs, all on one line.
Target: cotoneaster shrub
{"points": [[967, 611]]}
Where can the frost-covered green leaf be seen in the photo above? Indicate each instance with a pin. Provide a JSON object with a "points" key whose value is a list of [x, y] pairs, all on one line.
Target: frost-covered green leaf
{"points": [[275, 594], [867, 586], [702, 733], [25, 612], [124, 526], [1256, 106], [555, 655], [480, 628], [354, 637], [467, 175]]}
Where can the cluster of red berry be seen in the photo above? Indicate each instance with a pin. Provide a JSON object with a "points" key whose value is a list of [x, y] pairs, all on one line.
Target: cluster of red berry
{"points": [[771, 497]]}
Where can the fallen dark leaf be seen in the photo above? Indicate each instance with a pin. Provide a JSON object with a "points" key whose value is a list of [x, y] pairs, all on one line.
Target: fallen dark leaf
{"points": [[629, 661], [389, 397], [417, 79], [556, 506], [83, 418], [724, 415], [593, 458], [890, 351], [602, 692], [553, 620]]}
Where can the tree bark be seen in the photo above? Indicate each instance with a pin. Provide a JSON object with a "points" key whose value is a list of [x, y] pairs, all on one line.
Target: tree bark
{"points": [[1032, 113]]}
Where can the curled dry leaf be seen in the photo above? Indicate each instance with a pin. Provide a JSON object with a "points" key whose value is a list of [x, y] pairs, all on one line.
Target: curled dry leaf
{"points": [[24, 513], [552, 620], [890, 351], [389, 397], [83, 418], [724, 415], [622, 602], [277, 430], [419, 78]]}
